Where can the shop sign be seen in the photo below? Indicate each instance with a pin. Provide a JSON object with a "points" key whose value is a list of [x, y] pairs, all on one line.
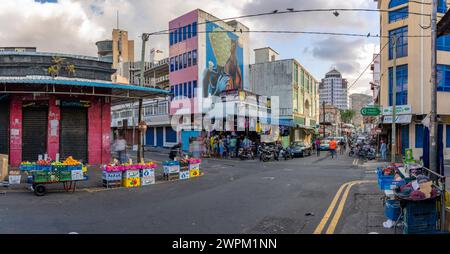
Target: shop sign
{"points": [[400, 110], [399, 119], [76, 104]]}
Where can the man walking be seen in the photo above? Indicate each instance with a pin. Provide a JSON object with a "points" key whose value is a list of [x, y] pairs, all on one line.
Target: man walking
{"points": [[383, 150], [333, 146], [317, 143]]}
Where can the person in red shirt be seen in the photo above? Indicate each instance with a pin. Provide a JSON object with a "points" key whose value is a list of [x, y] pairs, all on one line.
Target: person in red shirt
{"points": [[333, 146]]}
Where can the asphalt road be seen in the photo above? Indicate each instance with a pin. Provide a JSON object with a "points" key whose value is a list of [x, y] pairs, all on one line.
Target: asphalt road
{"points": [[232, 197]]}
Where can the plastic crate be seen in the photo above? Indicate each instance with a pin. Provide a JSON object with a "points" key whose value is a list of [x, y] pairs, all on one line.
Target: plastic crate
{"points": [[65, 175], [75, 167], [42, 176], [420, 217], [392, 209], [60, 167], [28, 167], [44, 167]]}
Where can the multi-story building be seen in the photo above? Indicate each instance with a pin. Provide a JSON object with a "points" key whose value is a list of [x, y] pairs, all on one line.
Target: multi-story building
{"points": [[413, 50], [330, 121], [207, 57], [296, 89], [376, 75], [118, 51], [357, 102], [333, 90]]}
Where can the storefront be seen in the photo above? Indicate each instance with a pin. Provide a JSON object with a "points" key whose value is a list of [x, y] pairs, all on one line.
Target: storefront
{"points": [[58, 117]]}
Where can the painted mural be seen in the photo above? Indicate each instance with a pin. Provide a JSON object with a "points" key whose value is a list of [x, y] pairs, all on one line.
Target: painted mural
{"points": [[224, 61]]}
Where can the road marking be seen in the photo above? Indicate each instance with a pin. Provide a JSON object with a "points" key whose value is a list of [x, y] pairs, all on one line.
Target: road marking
{"points": [[338, 213], [327, 215]]}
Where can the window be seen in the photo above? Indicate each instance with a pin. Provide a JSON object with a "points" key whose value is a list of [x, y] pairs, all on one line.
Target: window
{"points": [[419, 135], [172, 91], [176, 63], [189, 59], [442, 6], [176, 91], [189, 31], [194, 84], [171, 38], [443, 78], [443, 43], [184, 33], [447, 130], [185, 63], [172, 64], [189, 89], [185, 90], [180, 35], [394, 3], [180, 63], [399, 14], [194, 57], [402, 42], [402, 85], [175, 37], [296, 73], [194, 29]]}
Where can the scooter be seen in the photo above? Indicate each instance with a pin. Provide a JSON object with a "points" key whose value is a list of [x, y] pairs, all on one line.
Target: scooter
{"points": [[286, 153], [246, 153], [267, 154]]}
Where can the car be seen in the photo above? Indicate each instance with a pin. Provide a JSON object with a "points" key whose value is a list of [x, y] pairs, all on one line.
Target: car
{"points": [[301, 149], [324, 145]]}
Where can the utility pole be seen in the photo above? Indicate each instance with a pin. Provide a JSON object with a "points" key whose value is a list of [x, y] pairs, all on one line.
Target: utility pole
{"points": [[394, 99], [433, 113], [140, 155]]}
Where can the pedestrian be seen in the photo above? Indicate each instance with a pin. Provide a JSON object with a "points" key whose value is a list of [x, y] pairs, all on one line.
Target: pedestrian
{"points": [[341, 146], [383, 150], [120, 147], [221, 148], [317, 143], [233, 143], [333, 146]]}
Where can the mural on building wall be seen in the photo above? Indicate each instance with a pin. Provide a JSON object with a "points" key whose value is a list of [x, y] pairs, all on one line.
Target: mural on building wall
{"points": [[224, 61]]}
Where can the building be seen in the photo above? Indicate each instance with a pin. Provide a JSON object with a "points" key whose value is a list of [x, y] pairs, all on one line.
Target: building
{"points": [[296, 88], [330, 121], [59, 105], [376, 76], [413, 73], [333, 90], [18, 49], [119, 50], [155, 111], [208, 56], [357, 102]]}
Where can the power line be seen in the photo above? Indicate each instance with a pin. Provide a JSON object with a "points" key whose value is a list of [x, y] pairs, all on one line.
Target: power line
{"points": [[308, 32], [276, 12], [362, 73]]}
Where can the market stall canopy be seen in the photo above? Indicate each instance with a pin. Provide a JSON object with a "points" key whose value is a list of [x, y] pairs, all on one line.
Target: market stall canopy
{"points": [[119, 93], [443, 27]]}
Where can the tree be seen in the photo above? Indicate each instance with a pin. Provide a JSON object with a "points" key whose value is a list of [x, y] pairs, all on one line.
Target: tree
{"points": [[347, 115]]}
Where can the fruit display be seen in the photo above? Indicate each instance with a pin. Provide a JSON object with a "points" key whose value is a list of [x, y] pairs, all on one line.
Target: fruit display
{"points": [[70, 161], [43, 163], [126, 166], [27, 166]]}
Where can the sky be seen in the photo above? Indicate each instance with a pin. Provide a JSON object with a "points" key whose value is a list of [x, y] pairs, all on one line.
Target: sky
{"points": [[73, 26]]}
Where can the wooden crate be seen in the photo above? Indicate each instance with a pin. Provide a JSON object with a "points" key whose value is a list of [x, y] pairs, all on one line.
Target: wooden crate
{"points": [[3, 167]]}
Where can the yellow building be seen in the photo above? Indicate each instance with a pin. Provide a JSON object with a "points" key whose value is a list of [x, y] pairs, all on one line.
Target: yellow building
{"points": [[408, 21]]}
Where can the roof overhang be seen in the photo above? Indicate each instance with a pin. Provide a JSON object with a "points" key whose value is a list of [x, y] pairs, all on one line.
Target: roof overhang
{"points": [[443, 27], [119, 93]]}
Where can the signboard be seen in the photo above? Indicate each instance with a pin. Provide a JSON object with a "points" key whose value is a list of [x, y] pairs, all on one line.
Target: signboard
{"points": [[399, 119], [400, 110], [370, 111], [76, 104]]}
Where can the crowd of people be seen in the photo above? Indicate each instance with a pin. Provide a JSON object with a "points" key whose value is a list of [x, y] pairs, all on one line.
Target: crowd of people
{"points": [[225, 146]]}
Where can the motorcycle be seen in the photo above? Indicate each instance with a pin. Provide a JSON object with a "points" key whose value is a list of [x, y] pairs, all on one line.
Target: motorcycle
{"points": [[267, 154], [246, 153], [286, 153]]}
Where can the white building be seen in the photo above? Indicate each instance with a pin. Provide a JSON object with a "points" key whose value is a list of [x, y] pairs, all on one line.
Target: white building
{"points": [[333, 90]]}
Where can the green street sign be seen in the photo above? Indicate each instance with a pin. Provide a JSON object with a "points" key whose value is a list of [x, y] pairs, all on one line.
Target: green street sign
{"points": [[370, 111]]}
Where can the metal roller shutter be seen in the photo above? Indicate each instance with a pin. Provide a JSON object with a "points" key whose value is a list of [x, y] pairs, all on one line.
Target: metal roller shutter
{"points": [[4, 124], [34, 134], [73, 133]]}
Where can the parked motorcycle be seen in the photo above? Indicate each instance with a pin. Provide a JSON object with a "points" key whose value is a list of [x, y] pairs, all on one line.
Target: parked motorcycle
{"points": [[286, 153], [246, 154], [268, 153]]}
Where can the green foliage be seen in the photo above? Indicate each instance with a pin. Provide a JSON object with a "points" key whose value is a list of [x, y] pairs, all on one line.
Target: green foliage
{"points": [[347, 115]]}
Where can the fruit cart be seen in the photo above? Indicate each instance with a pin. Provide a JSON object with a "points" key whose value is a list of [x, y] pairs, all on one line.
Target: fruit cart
{"points": [[41, 179]]}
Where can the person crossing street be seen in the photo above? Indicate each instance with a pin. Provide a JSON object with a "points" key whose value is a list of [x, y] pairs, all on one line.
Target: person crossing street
{"points": [[333, 147]]}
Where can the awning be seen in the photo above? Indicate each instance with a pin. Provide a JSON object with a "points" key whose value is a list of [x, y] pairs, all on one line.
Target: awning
{"points": [[119, 93]]}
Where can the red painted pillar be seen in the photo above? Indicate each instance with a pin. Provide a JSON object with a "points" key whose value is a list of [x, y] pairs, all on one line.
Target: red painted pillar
{"points": [[54, 117], [95, 132], [106, 131], [15, 126]]}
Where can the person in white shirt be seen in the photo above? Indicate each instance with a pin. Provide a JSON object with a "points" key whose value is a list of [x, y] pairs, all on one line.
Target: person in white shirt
{"points": [[120, 146]]}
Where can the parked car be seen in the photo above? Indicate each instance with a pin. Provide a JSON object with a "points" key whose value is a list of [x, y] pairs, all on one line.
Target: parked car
{"points": [[301, 149], [324, 145]]}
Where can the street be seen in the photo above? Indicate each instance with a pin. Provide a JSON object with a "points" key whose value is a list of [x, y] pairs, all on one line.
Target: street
{"points": [[231, 197]]}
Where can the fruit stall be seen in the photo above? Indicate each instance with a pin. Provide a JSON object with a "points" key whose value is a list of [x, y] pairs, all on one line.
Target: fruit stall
{"points": [[415, 198], [45, 172]]}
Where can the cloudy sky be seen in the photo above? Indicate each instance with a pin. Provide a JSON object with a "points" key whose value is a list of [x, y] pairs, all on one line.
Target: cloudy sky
{"points": [[73, 26]]}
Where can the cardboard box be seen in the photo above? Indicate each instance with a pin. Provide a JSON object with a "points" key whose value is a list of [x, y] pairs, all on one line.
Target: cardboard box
{"points": [[447, 219], [194, 173], [147, 177], [131, 173], [112, 176], [194, 166], [184, 174], [3, 167], [14, 179], [171, 169], [132, 182]]}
